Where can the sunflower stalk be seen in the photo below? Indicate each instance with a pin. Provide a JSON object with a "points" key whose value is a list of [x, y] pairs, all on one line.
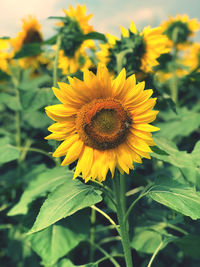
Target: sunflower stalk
{"points": [[92, 233], [174, 83], [119, 189], [55, 68]]}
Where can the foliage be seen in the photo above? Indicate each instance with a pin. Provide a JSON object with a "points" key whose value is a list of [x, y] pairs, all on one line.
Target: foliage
{"points": [[49, 219]]}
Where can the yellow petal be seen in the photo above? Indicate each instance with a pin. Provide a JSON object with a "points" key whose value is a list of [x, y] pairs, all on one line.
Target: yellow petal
{"points": [[65, 145], [73, 153]]}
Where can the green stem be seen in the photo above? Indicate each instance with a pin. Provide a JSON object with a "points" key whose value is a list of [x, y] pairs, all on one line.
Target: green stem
{"points": [[37, 150], [119, 189], [131, 207], [174, 81], [174, 227], [55, 68], [144, 192], [92, 234], [154, 254], [105, 215], [115, 263], [18, 129], [25, 150], [107, 257], [120, 57], [110, 239]]}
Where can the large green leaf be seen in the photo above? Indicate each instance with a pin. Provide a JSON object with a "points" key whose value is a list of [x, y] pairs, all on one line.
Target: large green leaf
{"points": [[30, 83], [181, 124], [172, 155], [11, 101], [43, 183], [35, 99], [37, 119], [180, 197], [57, 240], [188, 163], [68, 198], [8, 152], [29, 50], [146, 241], [94, 36]]}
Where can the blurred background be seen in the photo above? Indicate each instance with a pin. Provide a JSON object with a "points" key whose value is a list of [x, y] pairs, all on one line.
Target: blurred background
{"points": [[107, 14]]}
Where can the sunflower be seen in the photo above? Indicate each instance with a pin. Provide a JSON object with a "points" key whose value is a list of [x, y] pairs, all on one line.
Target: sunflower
{"points": [[5, 56], [192, 57], [79, 60], [143, 48], [31, 33], [103, 123], [179, 29], [73, 54], [79, 15]]}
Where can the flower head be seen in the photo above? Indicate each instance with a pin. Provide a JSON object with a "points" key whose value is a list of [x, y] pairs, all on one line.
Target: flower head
{"points": [[180, 28], [140, 49], [73, 53], [30, 34], [192, 57], [5, 55], [102, 122]]}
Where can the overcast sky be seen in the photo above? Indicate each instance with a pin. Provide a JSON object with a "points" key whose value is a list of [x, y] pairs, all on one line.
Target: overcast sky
{"points": [[108, 14]]}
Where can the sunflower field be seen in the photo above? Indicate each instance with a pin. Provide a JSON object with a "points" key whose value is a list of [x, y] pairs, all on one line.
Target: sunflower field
{"points": [[99, 144]]}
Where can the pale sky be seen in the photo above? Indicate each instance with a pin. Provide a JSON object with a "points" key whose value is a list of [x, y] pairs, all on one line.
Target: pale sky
{"points": [[108, 15]]}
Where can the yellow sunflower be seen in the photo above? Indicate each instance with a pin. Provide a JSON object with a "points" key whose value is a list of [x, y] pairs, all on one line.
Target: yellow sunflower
{"points": [[73, 54], [80, 60], [146, 47], [103, 123], [79, 15], [179, 29], [192, 57], [5, 55], [31, 33]]}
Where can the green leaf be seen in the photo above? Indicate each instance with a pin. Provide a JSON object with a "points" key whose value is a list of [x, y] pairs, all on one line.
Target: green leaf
{"points": [[37, 119], [182, 124], [57, 240], [146, 241], [30, 83], [68, 198], [7, 151], [29, 50], [177, 158], [68, 263], [51, 40], [36, 99], [179, 197], [40, 186], [94, 36], [11, 101]]}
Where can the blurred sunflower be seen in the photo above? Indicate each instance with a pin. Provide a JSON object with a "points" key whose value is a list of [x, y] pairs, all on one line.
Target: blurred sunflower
{"points": [[5, 55], [179, 29], [73, 54], [103, 122], [141, 49], [192, 57], [30, 34]]}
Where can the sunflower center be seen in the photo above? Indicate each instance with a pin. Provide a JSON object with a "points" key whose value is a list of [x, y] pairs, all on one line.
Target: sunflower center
{"points": [[32, 36], [103, 123]]}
